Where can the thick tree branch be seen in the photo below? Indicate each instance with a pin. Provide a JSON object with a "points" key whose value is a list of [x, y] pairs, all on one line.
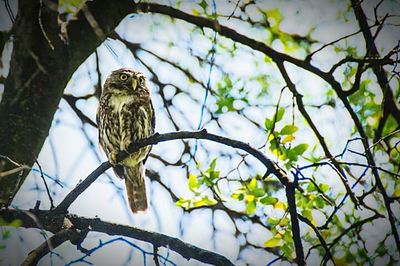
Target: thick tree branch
{"points": [[291, 199], [54, 222], [389, 106], [53, 242], [272, 167], [235, 36]]}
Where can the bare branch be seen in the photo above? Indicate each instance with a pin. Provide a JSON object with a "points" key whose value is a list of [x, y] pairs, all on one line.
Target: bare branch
{"points": [[47, 246], [53, 221]]}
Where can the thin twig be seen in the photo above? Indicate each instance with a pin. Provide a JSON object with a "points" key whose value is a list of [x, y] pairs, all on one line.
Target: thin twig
{"points": [[45, 184]]}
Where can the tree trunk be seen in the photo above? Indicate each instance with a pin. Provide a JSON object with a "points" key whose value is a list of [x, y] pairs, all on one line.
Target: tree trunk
{"points": [[41, 65]]}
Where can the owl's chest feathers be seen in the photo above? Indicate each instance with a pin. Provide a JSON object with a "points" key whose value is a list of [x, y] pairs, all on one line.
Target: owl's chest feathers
{"points": [[120, 107], [118, 102], [132, 119]]}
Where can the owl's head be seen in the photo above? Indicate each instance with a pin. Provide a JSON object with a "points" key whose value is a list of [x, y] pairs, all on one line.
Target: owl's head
{"points": [[125, 81]]}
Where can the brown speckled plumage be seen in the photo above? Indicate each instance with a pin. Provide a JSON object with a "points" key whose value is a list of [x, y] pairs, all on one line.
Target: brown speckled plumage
{"points": [[126, 114]]}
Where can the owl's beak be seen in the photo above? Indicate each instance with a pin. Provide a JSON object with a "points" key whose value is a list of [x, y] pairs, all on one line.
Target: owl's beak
{"points": [[134, 84]]}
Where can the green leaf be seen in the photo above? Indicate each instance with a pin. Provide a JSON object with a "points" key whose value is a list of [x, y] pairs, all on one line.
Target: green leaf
{"points": [[258, 192], [273, 242], [253, 184], [299, 149], [238, 195], [213, 164], [214, 175], [203, 4], [279, 114], [205, 201], [287, 139], [272, 221], [280, 205], [267, 59], [249, 197], [250, 207], [183, 203], [319, 202], [288, 130], [268, 200], [287, 249], [324, 187], [274, 14], [209, 201], [287, 236], [284, 221], [308, 215], [268, 123], [193, 184], [311, 187]]}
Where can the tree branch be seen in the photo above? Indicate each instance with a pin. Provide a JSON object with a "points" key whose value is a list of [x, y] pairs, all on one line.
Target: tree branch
{"points": [[389, 106], [53, 242], [53, 222], [157, 138], [271, 166]]}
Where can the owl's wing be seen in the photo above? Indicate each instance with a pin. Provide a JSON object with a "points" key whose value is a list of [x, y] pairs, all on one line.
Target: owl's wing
{"points": [[153, 118], [153, 126], [100, 110]]}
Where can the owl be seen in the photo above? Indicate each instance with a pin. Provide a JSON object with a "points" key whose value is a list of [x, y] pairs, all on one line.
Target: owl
{"points": [[125, 115]]}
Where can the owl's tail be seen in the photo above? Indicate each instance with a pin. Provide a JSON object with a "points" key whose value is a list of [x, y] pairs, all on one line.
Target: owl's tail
{"points": [[135, 187]]}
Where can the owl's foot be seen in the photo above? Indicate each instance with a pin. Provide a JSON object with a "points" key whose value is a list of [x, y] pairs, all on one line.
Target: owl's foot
{"points": [[112, 158], [126, 146]]}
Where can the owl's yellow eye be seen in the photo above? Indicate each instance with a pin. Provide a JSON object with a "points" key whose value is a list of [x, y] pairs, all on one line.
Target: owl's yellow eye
{"points": [[123, 77], [141, 80]]}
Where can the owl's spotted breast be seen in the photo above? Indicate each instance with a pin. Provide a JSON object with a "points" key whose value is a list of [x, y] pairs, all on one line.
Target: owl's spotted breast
{"points": [[130, 122], [125, 114]]}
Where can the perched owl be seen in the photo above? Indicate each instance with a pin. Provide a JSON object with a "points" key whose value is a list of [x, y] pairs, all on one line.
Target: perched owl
{"points": [[125, 114]]}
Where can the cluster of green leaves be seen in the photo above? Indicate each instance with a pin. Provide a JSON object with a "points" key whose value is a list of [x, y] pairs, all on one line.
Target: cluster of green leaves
{"points": [[272, 19], [282, 236], [367, 107], [313, 198], [207, 179], [254, 194], [280, 140], [225, 95]]}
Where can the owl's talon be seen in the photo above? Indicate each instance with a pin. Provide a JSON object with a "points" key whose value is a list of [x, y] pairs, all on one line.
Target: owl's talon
{"points": [[113, 158], [126, 147]]}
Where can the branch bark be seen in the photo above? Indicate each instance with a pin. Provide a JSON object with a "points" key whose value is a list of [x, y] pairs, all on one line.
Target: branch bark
{"points": [[53, 222]]}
